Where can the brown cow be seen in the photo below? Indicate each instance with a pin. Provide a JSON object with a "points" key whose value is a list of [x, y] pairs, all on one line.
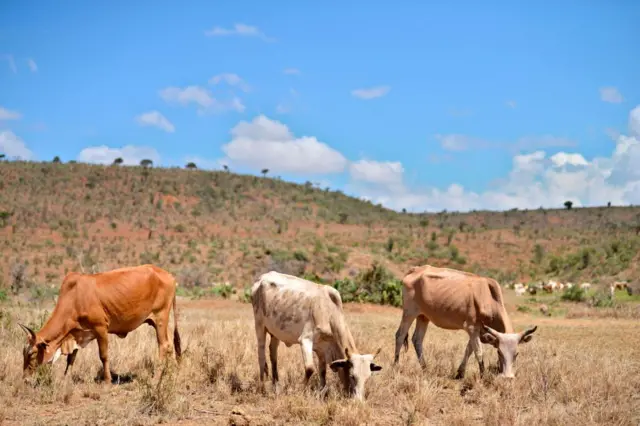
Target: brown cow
{"points": [[92, 306], [456, 300], [297, 311]]}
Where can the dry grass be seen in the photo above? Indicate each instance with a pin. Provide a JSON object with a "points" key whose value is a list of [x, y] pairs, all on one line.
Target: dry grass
{"points": [[575, 371]]}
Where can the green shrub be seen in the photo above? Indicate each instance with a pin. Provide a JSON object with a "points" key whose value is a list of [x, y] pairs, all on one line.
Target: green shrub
{"points": [[375, 285], [574, 294]]}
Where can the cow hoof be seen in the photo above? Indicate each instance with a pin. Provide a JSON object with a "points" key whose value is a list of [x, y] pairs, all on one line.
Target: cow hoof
{"points": [[459, 375]]}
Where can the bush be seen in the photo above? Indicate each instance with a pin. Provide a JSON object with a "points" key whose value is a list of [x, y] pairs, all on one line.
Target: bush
{"points": [[376, 285], [574, 294], [223, 290]]}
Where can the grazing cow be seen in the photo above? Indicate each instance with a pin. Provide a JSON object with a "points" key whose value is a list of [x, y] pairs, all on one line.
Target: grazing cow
{"points": [[612, 291], [92, 306], [585, 286], [297, 311], [455, 300], [532, 290], [550, 286], [620, 285], [520, 291], [568, 286]]}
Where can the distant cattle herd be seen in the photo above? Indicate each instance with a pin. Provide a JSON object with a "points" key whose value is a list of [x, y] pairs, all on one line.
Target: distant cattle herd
{"points": [[291, 310], [552, 286]]}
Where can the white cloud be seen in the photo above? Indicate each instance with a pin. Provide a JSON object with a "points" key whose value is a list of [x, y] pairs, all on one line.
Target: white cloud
{"points": [[13, 147], [32, 65], [388, 174], [230, 79], [130, 154], [266, 143], [156, 119], [12, 63], [201, 97], [291, 71], [511, 104], [238, 30], [371, 93], [535, 180], [562, 159], [611, 95], [6, 114]]}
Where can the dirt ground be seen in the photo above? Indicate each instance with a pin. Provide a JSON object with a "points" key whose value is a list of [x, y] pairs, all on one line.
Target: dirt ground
{"points": [[574, 372]]}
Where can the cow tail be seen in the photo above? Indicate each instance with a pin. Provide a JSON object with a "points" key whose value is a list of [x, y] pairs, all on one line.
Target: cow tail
{"points": [[176, 336]]}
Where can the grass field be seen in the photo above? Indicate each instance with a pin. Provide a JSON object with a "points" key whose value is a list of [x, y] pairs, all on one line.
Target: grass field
{"points": [[581, 371]]}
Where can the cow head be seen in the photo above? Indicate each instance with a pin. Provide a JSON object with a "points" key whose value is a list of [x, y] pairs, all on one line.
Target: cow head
{"points": [[507, 346], [354, 371], [35, 351]]}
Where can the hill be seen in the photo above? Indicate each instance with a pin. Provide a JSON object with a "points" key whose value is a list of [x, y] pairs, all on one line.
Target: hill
{"points": [[215, 226]]}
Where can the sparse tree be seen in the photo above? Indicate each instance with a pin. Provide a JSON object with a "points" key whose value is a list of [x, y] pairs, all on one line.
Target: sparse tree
{"points": [[146, 163], [609, 204], [191, 165], [264, 172], [118, 161], [56, 159], [2, 156], [568, 204], [225, 167]]}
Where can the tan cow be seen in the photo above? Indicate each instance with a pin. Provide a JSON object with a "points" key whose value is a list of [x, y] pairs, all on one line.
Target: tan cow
{"points": [[296, 311], [92, 306], [456, 300]]}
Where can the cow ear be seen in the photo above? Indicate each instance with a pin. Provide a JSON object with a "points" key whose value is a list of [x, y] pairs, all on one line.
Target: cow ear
{"points": [[341, 363], [374, 367], [488, 339], [527, 339], [42, 345]]}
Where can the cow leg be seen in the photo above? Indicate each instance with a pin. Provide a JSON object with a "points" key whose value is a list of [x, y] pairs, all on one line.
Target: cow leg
{"points": [[402, 333], [418, 338], [71, 358], [273, 356], [103, 347], [261, 335], [322, 370], [477, 351], [161, 326], [463, 365], [307, 358]]}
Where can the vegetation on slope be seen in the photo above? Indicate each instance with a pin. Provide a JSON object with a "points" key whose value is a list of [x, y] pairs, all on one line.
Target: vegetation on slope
{"points": [[219, 230]]}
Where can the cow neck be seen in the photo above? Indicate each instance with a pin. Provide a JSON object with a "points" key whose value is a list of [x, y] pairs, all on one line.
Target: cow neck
{"points": [[504, 321], [342, 338], [55, 329]]}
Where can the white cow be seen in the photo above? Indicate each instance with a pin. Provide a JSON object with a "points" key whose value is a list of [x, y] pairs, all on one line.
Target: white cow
{"points": [[297, 311], [585, 286]]}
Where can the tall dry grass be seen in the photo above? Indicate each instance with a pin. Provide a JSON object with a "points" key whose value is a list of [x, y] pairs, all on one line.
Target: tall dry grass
{"points": [[578, 371]]}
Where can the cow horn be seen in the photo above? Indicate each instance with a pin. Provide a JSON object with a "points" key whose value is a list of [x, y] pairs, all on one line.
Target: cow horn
{"points": [[28, 331], [490, 330], [346, 353], [377, 352]]}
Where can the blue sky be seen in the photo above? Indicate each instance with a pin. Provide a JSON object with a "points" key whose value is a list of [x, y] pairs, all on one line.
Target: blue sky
{"points": [[418, 105]]}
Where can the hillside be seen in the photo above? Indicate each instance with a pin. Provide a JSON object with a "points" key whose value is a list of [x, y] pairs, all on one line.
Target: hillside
{"points": [[213, 227]]}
